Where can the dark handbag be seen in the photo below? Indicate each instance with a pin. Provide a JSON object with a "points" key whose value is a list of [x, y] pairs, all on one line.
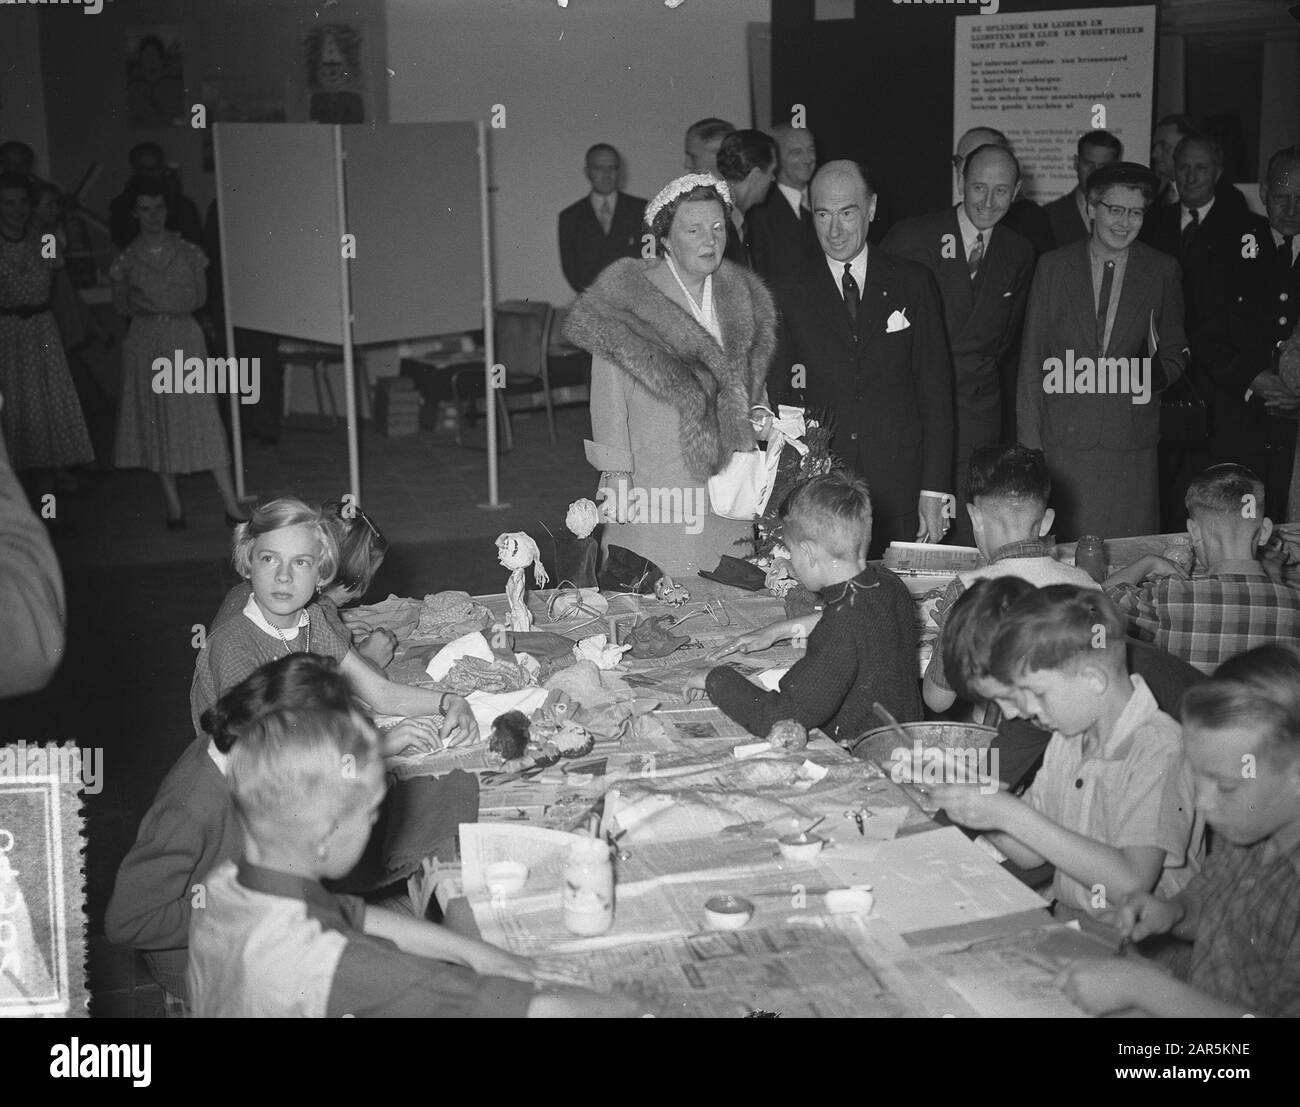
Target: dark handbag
{"points": [[1183, 414]]}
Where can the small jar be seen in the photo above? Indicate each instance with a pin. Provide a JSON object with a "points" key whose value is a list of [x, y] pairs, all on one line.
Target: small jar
{"points": [[588, 887], [1090, 556], [1181, 552]]}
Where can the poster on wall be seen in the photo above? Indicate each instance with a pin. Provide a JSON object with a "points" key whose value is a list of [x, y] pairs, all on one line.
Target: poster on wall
{"points": [[155, 77], [335, 82], [1045, 78]]}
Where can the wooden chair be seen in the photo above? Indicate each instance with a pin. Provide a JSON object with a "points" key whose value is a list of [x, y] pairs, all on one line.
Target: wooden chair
{"points": [[523, 340]]}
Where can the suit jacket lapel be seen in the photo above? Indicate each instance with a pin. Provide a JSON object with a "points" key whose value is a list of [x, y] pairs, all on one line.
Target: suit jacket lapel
{"points": [[1079, 289], [876, 304], [1134, 301], [954, 277], [989, 285], [831, 301]]}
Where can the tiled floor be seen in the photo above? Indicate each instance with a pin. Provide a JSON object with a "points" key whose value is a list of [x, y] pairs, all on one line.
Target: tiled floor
{"points": [[135, 590]]}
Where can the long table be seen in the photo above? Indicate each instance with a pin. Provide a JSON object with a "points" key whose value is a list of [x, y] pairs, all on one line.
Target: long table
{"points": [[950, 932]]}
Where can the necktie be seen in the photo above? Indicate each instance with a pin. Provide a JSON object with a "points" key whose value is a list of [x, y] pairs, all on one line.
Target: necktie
{"points": [[1285, 257], [976, 255], [1189, 231], [1103, 306], [606, 216], [851, 298], [805, 212]]}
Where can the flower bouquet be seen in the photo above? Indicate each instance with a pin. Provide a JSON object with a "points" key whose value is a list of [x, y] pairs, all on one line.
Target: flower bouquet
{"points": [[795, 466]]}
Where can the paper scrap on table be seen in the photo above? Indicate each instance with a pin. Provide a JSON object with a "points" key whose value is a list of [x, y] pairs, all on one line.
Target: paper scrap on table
{"points": [[467, 645], [770, 679]]}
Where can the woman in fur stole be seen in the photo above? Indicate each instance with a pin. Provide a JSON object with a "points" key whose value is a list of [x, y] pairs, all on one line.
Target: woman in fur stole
{"points": [[681, 345]]}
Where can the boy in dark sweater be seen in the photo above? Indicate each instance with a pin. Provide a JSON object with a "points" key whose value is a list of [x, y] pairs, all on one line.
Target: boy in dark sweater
{"points": [[861, 645]]}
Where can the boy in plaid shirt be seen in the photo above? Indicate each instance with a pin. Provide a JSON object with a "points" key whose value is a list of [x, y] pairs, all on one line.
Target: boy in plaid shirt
{"points": [[1207, 620], [1242, 911]]}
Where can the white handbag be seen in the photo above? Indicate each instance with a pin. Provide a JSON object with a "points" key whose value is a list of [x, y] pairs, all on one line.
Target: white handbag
{"points": [[743, 488]]}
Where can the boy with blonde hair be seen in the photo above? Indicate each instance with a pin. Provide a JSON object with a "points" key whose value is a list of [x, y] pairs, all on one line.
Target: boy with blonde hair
{"points": [[861, 645], [271, 941]]}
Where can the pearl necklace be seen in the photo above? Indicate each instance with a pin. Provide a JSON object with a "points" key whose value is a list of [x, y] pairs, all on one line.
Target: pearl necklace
{"points": [[289, 648]]}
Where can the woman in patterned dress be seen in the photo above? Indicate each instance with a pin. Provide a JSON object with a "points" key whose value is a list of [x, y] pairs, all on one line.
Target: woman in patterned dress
{"points": [[158, 280], [42, 418]]}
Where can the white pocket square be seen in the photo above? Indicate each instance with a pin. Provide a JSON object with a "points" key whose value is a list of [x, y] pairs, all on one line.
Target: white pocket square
{"points": [[897, 322], [1005, 295]]}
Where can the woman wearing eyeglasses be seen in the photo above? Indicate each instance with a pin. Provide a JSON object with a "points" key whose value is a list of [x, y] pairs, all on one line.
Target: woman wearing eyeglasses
{"points": [[1103, 337]]}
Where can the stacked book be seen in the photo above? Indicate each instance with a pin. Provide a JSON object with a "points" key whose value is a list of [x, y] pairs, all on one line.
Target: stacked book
{"points": [[397, 407]]}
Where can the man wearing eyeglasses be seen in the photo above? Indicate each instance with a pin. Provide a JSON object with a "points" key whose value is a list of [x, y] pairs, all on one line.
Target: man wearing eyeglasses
{"points": [[1103, 337]]}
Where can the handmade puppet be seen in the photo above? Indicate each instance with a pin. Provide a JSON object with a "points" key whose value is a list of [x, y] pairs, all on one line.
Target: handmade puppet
{"points": [[516, 551]]}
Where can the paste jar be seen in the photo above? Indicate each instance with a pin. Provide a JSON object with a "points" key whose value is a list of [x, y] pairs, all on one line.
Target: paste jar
{"points": [[588, 891]]}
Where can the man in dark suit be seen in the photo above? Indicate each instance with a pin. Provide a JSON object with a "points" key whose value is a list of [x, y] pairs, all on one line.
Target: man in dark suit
{"points": [[1068, 216], [983, 272], [782, 236], [1206, 236], [703, 138], [1254, 410], [148, 160], [603, 226], [1103, 337], [1170, 130], [1024, 217], [747, 162], [862, 342]]}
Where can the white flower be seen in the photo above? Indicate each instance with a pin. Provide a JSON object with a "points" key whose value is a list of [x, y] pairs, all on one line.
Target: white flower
{"points": [[583, 518]]}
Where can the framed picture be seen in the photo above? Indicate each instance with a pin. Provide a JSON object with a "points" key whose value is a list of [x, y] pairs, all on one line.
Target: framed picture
{"points": [[335, 82], [155, 77]]}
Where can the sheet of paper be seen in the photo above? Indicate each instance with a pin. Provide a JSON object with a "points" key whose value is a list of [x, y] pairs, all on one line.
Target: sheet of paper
{"points": [[924, 557], [1012, 977], [935, 879], [807, 968]]}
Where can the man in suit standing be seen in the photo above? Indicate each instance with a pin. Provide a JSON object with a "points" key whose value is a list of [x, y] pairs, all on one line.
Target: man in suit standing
{"points": [[782, 236], [702, 141], [1206, 236], [1103, 337], [1025, 217], [1169, 132], [747, 162], [983, 272], [603, 226], [1255, 410], [1068, 216], [862, 341]]}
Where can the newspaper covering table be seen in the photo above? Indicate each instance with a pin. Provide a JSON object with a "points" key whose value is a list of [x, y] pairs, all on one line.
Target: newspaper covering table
{"points": [[951, 933]]}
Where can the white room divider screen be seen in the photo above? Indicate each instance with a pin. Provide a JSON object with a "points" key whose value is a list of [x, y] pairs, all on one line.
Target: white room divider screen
{"points": [[411, 195]]}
